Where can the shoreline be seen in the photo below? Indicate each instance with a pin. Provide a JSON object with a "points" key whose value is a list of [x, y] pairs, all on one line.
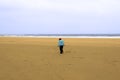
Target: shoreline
{"points": [[113, 37]]}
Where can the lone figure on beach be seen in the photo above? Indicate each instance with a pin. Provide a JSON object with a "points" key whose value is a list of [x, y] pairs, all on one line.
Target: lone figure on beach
{"points": [[61, 45]]}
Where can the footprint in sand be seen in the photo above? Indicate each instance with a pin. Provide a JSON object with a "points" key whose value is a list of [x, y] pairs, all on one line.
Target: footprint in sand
{"points": [[25, 60], [79, 57], [68, 51], [115, 61]]}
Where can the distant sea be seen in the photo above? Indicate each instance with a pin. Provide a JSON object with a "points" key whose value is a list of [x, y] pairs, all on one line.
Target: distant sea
{"points": [[63, 35]]}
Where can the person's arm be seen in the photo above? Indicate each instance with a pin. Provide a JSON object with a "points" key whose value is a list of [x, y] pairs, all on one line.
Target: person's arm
{"points": [[63, 43]]}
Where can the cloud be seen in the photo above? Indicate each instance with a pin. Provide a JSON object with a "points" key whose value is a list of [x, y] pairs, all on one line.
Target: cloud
{"points": [[75, 15], [81, 6]]}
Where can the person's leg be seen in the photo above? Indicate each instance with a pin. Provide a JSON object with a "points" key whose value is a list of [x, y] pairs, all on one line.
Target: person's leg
{"points": [[61, 49]]}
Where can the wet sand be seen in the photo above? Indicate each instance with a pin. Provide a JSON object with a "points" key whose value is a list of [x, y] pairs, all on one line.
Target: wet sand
{"points": [[39, 59]]}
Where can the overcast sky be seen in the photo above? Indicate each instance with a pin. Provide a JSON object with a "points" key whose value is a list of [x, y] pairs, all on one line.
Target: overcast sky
{"points": [[59, 16]]}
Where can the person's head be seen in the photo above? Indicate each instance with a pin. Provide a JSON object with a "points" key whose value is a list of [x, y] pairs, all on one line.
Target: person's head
{"points": [[60, 38]]}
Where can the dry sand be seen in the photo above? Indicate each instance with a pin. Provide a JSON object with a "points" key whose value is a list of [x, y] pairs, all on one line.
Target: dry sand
{"points": [[39, 59]]}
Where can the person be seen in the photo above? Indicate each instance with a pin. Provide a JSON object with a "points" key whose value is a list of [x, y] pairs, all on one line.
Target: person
{"points": [[61, 45]]}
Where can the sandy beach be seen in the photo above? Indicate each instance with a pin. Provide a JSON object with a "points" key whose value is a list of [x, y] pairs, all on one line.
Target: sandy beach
{"points": [[39, 59]]}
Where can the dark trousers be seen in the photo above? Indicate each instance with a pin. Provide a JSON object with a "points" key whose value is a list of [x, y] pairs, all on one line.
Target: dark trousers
{"points": [[61, 49]]}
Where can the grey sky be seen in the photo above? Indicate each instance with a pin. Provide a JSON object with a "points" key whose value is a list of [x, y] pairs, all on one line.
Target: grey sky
{"points": [[59, 16]]}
